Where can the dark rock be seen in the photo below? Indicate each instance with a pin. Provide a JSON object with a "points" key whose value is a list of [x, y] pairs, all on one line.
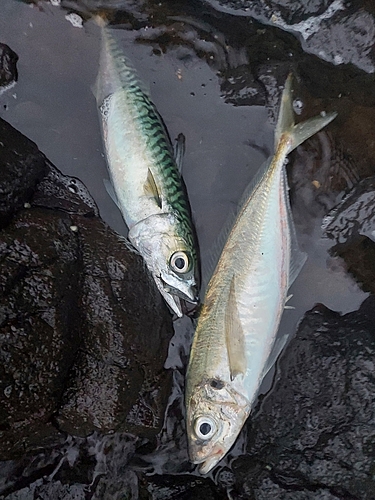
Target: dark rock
{"points": [[312, 436], [8, 67], [84, 332], [335, 31], [351, 227], [241, 89], [354, 216], [22, 167], [178, 488], [60, 192], [124, 342], [39, 332]]}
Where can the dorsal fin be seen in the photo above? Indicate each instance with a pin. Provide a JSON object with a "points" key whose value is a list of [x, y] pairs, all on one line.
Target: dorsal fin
{"points": [[151, 189], [234, 336]]}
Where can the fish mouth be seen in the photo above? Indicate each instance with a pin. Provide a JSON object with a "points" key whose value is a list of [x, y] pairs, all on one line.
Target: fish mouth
{"points": [[207, 464], [173, 296], [190, 294]]}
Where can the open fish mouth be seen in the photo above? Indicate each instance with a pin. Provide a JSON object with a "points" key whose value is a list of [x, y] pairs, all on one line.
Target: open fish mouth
{"points": [[191, 295], [173, 296]]}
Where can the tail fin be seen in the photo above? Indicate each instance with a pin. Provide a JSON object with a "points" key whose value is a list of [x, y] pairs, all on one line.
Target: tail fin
{"points": [[100, 19], [302, 131]]}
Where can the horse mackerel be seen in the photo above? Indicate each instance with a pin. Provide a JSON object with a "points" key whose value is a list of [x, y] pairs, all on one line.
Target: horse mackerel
{"points": [[235, 341], [147, 185]]}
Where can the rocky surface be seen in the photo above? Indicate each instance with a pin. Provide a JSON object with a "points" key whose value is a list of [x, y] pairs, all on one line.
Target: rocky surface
{"points": [[313, 435], [335, 31], [8, 67], [351, 227], [83, 331]]}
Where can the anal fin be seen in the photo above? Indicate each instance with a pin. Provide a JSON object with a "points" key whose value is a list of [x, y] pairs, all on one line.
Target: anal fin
{"points": [[275, 353]]}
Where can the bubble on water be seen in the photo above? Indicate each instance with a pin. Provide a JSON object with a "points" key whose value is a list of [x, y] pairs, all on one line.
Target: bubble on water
{"points": [[298, 106], [8, 391]]}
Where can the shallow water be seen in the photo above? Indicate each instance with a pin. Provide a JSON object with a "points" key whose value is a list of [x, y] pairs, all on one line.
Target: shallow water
{"points": [[191, 65]]}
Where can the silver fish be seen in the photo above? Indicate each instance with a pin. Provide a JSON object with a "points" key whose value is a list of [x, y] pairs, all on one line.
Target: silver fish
{"points": [[235, 341], [147, 185]]}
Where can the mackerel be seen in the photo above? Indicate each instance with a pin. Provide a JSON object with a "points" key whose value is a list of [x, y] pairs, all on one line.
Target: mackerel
{"points": [[145, 180]]}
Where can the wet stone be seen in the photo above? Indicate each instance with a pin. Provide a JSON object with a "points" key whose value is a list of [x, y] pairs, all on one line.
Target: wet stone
{"points": [[84, 332], [351, 227], [22, 167], [313, 436], [335, 31], [179, 488], [241, 89], [38, 325], [124, 342], [8, 67]]}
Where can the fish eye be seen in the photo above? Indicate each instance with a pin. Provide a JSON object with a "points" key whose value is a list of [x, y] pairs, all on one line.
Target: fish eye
{"points": [[180, 262], [205, 428]]}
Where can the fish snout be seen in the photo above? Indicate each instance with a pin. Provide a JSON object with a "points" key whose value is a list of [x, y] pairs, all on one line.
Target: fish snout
{"points": [[206, 461], [184, 289]]}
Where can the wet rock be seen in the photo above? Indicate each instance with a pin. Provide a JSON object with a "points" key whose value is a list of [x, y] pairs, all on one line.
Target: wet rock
{"points": [[22, 167], [124, 342], [241, 89], [83, 331], [8, 67], [351, 227], [335, 31], [312, 436], [60, 192], [178, 488], [39, 332], [354, 216]]}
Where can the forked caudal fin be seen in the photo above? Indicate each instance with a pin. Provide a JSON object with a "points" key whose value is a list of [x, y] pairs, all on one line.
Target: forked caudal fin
{"points": [[299, 133]]}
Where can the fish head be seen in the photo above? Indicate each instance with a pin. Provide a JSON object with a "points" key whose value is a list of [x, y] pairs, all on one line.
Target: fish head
{"points": [[216, 413], [170, 257]]}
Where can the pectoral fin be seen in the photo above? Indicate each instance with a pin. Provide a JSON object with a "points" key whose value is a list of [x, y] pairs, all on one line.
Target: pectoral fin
{"points": [[151, 189], [234, 335]]}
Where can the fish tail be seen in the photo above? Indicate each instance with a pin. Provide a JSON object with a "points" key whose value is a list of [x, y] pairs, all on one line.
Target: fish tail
{"points": [[299, 133], [101, 19]]}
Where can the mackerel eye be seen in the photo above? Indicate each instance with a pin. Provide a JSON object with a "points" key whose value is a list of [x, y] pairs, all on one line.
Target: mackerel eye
{"points": [[180, 262], [204, 428]]}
